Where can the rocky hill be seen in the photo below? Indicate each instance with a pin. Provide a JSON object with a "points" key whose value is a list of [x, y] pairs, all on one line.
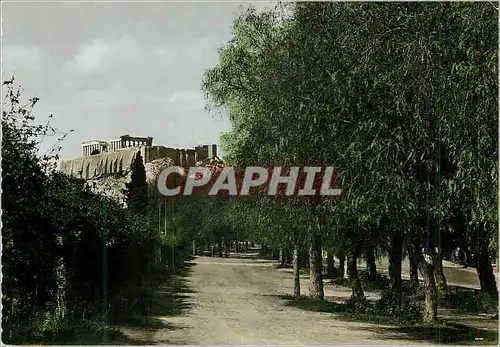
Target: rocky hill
{"points": [[112, 185]]}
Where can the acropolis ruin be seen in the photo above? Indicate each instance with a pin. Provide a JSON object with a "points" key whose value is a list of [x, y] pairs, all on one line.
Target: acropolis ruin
{"points": [[116, 156]]}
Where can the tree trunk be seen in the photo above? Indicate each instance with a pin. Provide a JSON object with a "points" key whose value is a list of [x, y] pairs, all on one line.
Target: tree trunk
{"points": [[469, 258], [316, 265], [246, 246], [219, 249], [194, 247], [282, 258], [413, 266], [289, 258], [264, 250], [226, 249], [431, 298], [236, 247], [296, 273], [461, 257], [342, 263], [395, 260], [485, 272], [439, 274], [352, 269], [371, 266], [330, 264], [304, 259]]}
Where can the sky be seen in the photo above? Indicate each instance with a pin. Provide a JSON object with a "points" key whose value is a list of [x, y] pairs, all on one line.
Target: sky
{"points": [[109, 69]]}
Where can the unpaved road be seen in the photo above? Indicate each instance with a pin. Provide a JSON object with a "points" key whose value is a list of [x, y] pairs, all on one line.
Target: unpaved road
{"points": [[237, 301]]}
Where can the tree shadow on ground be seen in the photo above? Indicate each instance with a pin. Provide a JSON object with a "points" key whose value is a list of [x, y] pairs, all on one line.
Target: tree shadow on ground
{"points": [[91, 337], [170, 298], [445, 332], [468, 300]]}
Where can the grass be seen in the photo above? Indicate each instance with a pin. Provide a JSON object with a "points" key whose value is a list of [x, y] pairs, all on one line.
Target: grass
{"points": [[74, 332], [346, 310], [166, 300], [468, 300], [401, 322], [442, 332]]}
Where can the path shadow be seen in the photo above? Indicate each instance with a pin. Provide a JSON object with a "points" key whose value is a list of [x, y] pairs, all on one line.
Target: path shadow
{"points": [[170, 298], [83, 335], [449, 333]]}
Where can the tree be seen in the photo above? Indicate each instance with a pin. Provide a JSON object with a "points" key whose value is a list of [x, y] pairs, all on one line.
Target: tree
{"points": [[66, 252], [29, 252], [389, 94], [137, 189]]}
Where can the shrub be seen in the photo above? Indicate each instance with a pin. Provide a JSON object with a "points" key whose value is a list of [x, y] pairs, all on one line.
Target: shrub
{"points": [[381, 282], [470, 300], [355, 305], [402, 309]]}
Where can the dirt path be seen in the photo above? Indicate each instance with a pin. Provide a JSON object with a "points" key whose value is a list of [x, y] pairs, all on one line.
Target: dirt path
{"points": [[237, 301]]}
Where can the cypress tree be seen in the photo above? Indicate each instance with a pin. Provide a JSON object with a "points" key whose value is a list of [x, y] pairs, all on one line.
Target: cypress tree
{"points": [[137, 189]]}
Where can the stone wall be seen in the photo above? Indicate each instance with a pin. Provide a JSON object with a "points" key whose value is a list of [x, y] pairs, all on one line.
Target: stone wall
{"points": [[120, 162]]}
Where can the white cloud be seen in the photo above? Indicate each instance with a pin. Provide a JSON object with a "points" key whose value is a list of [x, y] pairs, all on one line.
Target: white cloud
{"points": [[186, 96], [99, 55], [118, 84], [93, 56], [23, 58]]}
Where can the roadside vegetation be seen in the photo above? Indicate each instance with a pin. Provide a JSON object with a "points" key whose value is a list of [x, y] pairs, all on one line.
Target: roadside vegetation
{"points": [[73, 263]]}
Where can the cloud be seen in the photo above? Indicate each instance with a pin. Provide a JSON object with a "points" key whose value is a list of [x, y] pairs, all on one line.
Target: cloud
{"points": [[93, 56], [186, 96], [128, 63], [127, 73], [23, 58], [99, 55]]}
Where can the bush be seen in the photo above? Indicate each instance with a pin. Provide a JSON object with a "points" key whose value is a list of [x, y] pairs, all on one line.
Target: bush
{"points": [[402, 309], [363, 306], [381, 282], [470, 300]]}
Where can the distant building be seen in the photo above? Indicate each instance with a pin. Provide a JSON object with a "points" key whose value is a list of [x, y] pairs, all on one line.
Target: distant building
{"points": [[116, 156]]}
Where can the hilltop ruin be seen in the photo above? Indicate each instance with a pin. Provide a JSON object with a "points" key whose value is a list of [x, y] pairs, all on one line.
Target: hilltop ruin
{"points": [[101, 158]]}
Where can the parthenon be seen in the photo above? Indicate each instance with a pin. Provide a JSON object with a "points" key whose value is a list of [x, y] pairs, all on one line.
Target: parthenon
{"points": [[125, 141], [116, 156]]}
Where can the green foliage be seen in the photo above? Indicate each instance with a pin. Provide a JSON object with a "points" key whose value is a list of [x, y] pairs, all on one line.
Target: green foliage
{"points": [[470, 300], [401, 98], [381, 282], [383, 311], [136, 190], [62, 243], [402, 309], [359, 305]]}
